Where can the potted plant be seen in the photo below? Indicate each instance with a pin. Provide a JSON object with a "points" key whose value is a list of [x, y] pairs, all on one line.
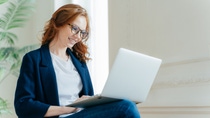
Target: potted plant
{"points": [[10, 56]]}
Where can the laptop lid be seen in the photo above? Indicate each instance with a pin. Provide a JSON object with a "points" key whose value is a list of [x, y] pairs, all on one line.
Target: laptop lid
{"points": [[131, 76]]}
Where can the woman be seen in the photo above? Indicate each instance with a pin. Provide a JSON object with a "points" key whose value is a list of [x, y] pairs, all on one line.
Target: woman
{"points": [[56, 74]]}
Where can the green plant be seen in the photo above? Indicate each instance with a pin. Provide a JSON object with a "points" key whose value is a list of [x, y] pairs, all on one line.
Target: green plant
{"points": [[17, 13], [3, 107], [3, 1]]}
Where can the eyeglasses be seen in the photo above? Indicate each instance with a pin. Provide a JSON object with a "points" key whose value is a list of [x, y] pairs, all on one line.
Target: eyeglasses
{"points": [[75, 30]]}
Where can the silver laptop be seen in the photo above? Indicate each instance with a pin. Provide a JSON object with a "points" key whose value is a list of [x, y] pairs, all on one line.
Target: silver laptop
{"points": [[130, 77]]}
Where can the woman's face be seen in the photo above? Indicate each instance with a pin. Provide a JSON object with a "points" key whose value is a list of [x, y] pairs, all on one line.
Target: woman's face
{"points": [[67, 37]]}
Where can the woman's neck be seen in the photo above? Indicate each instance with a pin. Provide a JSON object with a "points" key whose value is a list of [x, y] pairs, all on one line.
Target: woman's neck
{"points": [[58, 50]]}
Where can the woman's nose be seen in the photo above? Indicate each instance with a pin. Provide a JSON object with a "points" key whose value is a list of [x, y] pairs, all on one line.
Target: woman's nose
{"points": [[77, 36]]}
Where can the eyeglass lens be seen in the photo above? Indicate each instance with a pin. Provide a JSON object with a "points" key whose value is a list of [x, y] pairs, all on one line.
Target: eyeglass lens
{"points": [[75, 30]]}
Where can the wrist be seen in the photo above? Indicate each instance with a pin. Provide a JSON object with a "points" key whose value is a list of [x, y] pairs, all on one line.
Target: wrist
{"points": [[68, 110]]}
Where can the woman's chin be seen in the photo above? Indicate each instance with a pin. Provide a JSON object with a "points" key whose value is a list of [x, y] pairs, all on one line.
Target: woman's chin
{"points": [[70, 46]]}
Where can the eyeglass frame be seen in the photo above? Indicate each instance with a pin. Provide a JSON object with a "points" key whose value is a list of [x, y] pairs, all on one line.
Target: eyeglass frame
{"points": [[79, 31]]}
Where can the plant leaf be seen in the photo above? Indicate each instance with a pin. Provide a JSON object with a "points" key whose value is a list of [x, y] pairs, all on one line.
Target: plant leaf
{"points": [[13, 56], [3, 1], [17, 13], [28, 48], [8, 37], [6, 53], [4, 106]]}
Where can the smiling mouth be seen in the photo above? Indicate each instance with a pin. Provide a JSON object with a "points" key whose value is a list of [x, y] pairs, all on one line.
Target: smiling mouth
{"points": [[72, 40]]}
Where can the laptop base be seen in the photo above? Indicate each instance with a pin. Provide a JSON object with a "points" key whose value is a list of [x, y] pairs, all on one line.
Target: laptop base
{"points": [[94, 101]]}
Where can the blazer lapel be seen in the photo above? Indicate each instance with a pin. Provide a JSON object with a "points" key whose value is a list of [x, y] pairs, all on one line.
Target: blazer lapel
{"points": [[84, 74], [48, 77]]}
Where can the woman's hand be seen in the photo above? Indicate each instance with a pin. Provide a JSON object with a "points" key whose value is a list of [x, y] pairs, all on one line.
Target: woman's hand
{"points": [[59, 110], [82, 98]]}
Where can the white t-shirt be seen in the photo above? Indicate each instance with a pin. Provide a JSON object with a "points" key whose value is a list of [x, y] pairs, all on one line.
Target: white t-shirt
{"points": [[68, 80]]}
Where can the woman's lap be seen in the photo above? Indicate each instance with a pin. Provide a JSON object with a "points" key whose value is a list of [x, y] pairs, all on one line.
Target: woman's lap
{"points": [[119, 109]]}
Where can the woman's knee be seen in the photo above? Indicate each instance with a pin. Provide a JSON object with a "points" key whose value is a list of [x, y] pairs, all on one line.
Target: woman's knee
{"points": [[131, 108], [128, 103]]}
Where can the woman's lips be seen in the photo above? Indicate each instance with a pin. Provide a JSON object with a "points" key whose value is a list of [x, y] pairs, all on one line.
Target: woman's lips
{"points": [[72, 40]]}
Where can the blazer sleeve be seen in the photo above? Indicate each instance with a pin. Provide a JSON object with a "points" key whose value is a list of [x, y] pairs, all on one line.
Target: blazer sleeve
{"points": [[26, 105]]}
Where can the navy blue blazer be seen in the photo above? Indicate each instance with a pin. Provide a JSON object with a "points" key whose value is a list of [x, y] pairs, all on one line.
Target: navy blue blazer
{"points": [[36, 86]]}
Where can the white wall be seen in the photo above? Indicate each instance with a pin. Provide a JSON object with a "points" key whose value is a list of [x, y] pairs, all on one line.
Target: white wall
{"points": [[177, 31]]}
